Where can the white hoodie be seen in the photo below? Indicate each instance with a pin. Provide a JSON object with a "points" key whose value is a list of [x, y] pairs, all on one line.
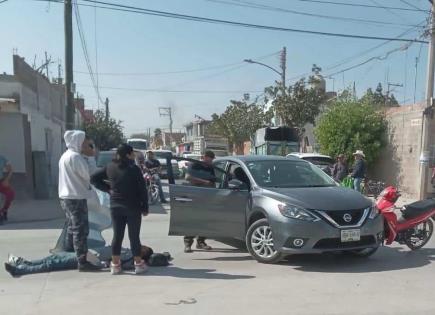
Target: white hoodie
{"points": [[74, 181]]}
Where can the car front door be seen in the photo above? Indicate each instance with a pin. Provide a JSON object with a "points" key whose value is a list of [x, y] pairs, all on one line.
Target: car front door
{"points": [[210, 212]]}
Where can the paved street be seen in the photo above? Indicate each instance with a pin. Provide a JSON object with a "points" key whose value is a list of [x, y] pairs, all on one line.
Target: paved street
{"points": [[223, 281]]}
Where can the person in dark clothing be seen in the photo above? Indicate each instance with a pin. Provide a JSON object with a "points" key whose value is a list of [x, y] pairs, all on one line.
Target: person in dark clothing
{"points": [[359, 170], [339, 171], [128, 201], [200, 174], [153, 164]]}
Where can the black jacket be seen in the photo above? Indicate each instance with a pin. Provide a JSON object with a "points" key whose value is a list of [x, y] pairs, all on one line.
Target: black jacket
{"points": [[339, 171], [127, 187], [359, 169]]}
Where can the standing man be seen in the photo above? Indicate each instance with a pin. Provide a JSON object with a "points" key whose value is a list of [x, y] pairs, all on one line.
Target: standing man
{"points": [[5, 188], [74, 189], [359, 170], [200, 174], [339, 172], [153, 164]]}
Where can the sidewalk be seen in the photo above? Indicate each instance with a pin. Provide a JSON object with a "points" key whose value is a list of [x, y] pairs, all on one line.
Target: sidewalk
{"points": [[34, 214]]}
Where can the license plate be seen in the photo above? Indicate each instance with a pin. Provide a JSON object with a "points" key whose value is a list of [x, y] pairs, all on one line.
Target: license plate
{"points": [[350, 235]]}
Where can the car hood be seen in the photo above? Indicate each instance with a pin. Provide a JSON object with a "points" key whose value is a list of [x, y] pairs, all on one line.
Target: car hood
{"points": [[320, 198]]}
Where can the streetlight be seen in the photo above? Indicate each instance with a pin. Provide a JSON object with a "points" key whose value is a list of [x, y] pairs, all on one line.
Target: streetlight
{"points": [[283, 65]]}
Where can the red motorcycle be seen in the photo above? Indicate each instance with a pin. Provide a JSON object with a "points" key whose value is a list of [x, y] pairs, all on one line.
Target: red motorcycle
{"points": [[414, 228]]}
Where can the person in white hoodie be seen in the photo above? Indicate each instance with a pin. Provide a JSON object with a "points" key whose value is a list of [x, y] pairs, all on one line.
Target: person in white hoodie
{"points": [[74, 189]]}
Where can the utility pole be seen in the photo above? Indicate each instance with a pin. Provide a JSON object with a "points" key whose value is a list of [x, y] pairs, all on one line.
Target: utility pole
{"points": [[107, 109], [70, 111], [167, 111], [424, 156], [283, 65], [416, 73]]}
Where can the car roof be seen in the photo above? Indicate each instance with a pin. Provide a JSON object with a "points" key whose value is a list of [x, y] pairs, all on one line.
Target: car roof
{"points": [[165, 151], [253, 158], [136, 139], [302, 155]]}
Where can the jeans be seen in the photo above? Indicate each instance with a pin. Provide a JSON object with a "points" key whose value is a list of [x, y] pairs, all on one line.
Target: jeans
{"points": [[357, 184], [55, 262], [119, 222], [158, 181], [188, 240], [9, 194], [77, 222]]}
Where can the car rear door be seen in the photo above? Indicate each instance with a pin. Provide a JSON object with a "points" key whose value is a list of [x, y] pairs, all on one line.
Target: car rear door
{"points": [[207, 211]]}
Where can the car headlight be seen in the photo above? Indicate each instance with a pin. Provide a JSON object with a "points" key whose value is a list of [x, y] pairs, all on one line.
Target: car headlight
{"points": [[374, 211], [296, 212]]}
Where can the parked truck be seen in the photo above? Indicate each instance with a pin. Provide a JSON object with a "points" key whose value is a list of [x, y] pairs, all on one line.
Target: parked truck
{"points": [[217, 144], [275, 141]]}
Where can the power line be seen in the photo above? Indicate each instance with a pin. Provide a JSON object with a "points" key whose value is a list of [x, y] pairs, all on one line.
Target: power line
{"points": [[3, 1], [248, 4], [223, 66], [362, 5], [410, 4], [175, 91], [131, 9], [85, 51]]}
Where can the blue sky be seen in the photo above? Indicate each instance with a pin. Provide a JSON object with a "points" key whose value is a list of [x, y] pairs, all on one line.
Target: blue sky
{"points": [[132, 43]]}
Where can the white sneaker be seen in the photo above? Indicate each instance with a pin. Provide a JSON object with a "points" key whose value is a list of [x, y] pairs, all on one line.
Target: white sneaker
{"points": [[115, 269], [15, 260], [140, 268]]}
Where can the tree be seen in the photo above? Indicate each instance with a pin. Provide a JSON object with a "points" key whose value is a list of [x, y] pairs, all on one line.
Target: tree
{"points": [[348, 126], [296, 105], [107, 134], [378, 98], [239, 122]]}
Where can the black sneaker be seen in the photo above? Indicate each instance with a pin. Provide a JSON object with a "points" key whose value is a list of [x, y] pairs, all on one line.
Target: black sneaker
{"points": [[163, 201], [88, 267], [11, 269], [188, 249], [203, 245]]}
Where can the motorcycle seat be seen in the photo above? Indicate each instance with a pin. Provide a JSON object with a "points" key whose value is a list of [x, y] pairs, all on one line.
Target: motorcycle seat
{"points": [[417, 208]]}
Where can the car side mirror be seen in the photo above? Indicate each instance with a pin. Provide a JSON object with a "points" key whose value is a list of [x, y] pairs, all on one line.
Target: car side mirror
{"points": [[236, 184]]}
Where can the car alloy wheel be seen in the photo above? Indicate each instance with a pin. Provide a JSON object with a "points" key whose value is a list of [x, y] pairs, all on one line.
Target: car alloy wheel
{"points": [[259, 241]]}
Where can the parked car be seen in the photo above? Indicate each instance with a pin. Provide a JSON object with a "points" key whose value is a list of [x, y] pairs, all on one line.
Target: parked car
{"points": [[184, 164], [161, 155], [278, 206], [325, 162], [105, 157]]}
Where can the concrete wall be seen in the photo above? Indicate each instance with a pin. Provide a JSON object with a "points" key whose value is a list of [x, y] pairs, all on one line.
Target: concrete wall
{"points": [[399, 163]]}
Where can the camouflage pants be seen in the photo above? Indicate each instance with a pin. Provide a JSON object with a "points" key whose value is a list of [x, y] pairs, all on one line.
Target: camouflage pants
{"points": [[77, 224]]}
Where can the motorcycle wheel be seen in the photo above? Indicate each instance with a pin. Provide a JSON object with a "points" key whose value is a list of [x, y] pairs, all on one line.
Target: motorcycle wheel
{"points": [[153, 195], [418, 236]]}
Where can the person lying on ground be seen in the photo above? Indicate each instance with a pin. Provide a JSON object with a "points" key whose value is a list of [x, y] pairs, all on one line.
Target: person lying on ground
{"points": [[19, 266]]}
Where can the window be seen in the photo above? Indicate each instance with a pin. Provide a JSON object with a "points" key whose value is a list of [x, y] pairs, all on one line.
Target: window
{"points": [[219, 171], [235, 171]]}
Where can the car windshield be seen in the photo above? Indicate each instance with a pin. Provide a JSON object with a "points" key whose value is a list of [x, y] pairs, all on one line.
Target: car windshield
{"points": [[104, 158], [288, 174], [138, 145], [319, 160], [162, 155]]}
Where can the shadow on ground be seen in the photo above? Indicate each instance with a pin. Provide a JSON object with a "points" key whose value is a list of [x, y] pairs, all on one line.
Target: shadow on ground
{"points": [[183, 273]]}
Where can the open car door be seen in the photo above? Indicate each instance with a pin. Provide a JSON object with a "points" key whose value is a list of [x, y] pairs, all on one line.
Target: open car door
{"points": [[207, 211]]}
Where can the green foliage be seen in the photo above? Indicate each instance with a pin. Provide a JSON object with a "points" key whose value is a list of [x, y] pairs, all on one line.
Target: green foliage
{"points": [[348, 126], [239, 122], [106, 134], [378, 98], [296, 105]]}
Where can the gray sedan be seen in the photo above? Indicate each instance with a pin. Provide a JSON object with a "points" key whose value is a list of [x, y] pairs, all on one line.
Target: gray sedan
{"points": [[277, 206]]}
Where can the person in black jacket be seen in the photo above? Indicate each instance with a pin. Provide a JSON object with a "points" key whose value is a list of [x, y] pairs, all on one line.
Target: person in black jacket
{"points": [[359, 170], [339, 171], [128, 201]]}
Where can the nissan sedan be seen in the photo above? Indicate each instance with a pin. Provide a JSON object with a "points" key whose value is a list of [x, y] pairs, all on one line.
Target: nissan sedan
{"points": [[277, 206]]}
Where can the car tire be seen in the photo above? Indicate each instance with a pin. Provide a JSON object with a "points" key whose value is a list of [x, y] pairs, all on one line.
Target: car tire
{"points": [[259, 242], [365, 252]]}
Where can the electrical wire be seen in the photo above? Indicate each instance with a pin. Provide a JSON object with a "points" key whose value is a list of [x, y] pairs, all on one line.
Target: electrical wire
{"points": [[410, 4], [223, 66], [131, 9], [85, 50], [175, 91], [248, 4], [3, 1], [361, 5]]}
